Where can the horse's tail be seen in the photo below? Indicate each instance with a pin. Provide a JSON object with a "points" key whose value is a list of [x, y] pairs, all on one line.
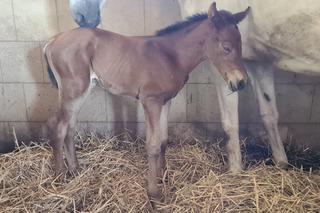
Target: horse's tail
{"points": [[49, 69]]}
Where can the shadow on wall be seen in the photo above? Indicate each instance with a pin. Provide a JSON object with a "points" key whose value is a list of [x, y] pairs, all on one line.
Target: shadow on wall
{"points": [[41, 95], [123, 113]]}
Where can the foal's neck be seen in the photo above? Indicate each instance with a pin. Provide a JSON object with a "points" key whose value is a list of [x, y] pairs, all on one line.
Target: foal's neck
{"points": [[189, 45]]}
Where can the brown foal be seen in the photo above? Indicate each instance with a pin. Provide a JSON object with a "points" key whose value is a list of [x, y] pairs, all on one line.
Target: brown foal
{"points": [[152, 69]]}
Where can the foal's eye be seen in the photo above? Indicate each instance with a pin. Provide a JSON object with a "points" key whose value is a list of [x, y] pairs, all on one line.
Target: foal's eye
{"points": [[227, 50]]}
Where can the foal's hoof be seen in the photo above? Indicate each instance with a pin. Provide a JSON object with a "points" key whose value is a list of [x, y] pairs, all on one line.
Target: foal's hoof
{"points": [[72, 173], [156, 198], [60, 176]]}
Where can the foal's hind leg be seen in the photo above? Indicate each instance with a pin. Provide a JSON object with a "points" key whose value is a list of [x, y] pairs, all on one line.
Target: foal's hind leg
{"points": [[70, 150], [263, 84], [61, 126], [58, 128]]}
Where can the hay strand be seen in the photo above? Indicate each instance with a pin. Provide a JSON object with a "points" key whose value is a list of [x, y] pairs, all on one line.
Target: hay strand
{"points": [[113, 174]]}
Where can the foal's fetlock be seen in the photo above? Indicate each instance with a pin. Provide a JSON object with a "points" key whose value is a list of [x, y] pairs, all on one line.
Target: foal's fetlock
{"points": [[73, 172], [155, 194]]}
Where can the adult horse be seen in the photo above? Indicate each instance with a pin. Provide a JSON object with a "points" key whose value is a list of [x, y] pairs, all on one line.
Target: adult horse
{"points": [[274, 36], [152, 69], [87, 13]]}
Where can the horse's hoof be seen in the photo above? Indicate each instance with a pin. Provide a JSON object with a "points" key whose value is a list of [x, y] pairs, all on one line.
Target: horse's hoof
{"points": [[235, 169], [283, 165]]}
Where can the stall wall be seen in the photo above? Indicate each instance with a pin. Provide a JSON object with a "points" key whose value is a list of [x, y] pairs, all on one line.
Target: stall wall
{"points": [[27, 97]]}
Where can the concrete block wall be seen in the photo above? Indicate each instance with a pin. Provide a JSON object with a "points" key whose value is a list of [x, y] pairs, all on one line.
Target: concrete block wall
{"points": [[27, 97]]}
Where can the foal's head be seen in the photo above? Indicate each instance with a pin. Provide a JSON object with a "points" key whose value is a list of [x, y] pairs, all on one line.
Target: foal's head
{"points": [[223, 47]]}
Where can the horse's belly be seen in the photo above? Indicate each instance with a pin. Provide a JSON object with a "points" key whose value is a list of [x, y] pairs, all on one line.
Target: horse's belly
{"points": [[287, 35]]}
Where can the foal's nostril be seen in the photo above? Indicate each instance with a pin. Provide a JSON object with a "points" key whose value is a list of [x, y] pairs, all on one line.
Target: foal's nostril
{"points": [[232, 87], [241, 85]]}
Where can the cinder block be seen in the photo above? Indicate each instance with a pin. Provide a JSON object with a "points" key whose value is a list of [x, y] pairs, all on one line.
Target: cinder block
{"points": [[133, 128], [41, 101], [159, 14], [178, 110], [26, 131], [203, 74], [12, 103], [98, 128], [315, 115], [4, 132], [294, 102], [7, 28], [124, 17], [306, 79], [283, 77], [122, 108], [65, 20], [21, 62], [36, 20], [187, 131], [6, 144], [214, 131], [202, 103], [94, 108], [257, 130], [305, 136], [248, 106]]}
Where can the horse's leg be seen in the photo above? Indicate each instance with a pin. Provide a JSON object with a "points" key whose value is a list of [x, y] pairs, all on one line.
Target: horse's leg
{"points": [[263, 83], [163, 137], [153, 108], [230, 122]]}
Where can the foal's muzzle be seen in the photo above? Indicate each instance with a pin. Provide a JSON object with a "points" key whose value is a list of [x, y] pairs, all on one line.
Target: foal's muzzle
{"points": [[240, 85], [237, 80]]}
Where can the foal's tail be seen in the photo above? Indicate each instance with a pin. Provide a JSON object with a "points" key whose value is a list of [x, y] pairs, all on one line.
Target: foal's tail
{"points": [[49, 69]]}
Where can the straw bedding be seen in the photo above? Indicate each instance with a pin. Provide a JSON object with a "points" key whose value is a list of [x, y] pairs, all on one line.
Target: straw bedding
{"points": [[113, 179]]}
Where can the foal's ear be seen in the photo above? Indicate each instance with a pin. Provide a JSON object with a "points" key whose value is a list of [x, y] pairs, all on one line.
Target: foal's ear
{"points": [[212, 10], [238, 17]]}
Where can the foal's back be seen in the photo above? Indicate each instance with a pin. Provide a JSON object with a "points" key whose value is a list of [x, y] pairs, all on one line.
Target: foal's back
{"points": [[124, 65]]}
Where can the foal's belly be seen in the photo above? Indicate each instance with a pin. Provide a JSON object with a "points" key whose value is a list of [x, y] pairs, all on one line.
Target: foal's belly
{"points": [[114, 87]]}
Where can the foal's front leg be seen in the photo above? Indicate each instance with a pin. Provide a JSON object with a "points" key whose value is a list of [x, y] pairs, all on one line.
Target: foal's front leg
{"points": [[155, 149], [163, 137]]}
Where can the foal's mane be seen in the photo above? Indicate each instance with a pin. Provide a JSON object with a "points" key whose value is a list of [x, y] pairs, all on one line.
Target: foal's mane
{"points": [[182, 24], [221, 20]]}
